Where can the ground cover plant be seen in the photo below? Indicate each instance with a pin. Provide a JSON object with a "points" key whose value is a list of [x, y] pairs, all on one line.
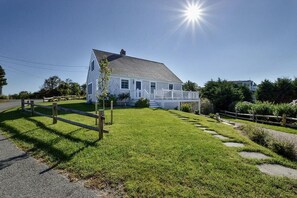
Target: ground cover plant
{"points": [[260, 136], [148, 153]]}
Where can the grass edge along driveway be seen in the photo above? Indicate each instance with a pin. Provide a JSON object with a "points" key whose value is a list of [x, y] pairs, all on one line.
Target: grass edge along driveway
{"points": [[148, 153]]}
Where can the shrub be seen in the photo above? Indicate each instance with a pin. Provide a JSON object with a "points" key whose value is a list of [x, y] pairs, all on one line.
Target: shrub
{"points": [[211, 115], [124, 96], [243, 107], [206, 106], [108, 99], [262, 108], [257, 134], [186, 107], [283, 148], [142, 102], [3, 97], [288, 109]]}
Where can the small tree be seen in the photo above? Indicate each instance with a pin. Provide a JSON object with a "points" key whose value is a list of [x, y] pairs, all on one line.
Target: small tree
{"points": [[104, 77], [2, 79]]}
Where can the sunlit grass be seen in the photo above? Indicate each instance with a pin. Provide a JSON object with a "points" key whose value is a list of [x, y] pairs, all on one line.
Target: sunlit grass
{"points": [[149, 152]]}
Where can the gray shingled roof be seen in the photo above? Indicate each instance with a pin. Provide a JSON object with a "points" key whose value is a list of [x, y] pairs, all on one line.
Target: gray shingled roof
{"points": [[132, 67]]}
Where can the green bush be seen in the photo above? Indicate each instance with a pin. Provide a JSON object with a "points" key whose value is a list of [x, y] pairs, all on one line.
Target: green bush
{"points": [[283, 148], [262, 108], [257, 134], [243, 107], [142, 102], [211, 115], [108, 99], [3, 97], [288, 109], [124, 96], [206, 106], [186, 107]]}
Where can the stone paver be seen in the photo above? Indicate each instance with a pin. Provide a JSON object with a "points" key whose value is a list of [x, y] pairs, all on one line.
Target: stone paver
{"points": [[278, 170], [210, 132], [233, 144], [253, 155], [221, 137]]}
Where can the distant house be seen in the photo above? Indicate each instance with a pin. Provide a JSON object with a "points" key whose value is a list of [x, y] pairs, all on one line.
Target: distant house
{"points": [[248, 83], [140, 78]]}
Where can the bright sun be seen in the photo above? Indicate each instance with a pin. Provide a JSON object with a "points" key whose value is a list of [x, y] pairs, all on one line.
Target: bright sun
{"points": [[193, 12]]}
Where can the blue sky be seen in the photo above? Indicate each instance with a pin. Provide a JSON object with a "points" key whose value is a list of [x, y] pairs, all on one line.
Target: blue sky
{"points": [[237, 39]]}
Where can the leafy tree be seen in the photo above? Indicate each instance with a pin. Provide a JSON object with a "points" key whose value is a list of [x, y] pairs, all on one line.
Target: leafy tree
{"points": [[64, 88], [24, 94], [222, 93], [190, 86], [75, 88], [104, 76], [3, 80], [246, 92], [266, 91], [52, 83], [83, 89], [284, 90]]}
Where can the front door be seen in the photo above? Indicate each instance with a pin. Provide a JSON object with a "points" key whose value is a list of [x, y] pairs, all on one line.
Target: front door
{"points": [[138, 89]]}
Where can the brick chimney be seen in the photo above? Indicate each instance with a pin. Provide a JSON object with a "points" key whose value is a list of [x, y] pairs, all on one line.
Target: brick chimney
{"points": [[123, 52]]}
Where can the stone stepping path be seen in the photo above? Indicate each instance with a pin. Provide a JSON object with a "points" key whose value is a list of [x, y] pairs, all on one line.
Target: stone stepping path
{"points": [[253, 155], [210, 132], [270, 169], [221, 137], [233, 144], [278, 170]]}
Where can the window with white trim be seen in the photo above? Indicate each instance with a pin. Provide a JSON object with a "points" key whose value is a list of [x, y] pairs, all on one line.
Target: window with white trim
{"points": [[90, 88], [92, 66], [124, 84]]}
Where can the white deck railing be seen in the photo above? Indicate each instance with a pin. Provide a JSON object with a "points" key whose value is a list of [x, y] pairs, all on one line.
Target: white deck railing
{"points": [[166, 94]]}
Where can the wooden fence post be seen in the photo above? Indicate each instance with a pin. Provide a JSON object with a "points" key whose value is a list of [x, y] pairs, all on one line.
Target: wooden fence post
{"points": [[284, 120], [111, 112], [23, 104], [101, 123], [96, 112], [32, 107], [55, 113]]}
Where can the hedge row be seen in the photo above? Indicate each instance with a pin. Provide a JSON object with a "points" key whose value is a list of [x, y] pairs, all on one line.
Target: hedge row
{"points": [[266, 108]]}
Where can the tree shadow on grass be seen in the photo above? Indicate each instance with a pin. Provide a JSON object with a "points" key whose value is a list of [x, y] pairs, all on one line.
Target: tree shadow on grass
{"points": [[58, 156]]}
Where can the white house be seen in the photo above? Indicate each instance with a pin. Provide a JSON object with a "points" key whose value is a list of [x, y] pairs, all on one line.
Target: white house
{"points": [[140, 78], [248, 83]]}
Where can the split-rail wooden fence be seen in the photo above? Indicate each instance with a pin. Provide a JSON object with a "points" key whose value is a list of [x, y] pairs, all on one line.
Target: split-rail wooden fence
{"points": [[268, 119], [99, 116]]}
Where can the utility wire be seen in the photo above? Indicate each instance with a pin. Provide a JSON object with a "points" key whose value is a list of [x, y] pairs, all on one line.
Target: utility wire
{"points": [[40, 63], [23, 72], [38, 67]]}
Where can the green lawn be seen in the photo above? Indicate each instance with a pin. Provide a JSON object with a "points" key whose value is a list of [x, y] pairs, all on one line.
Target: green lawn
{"points": [[268, 126], [149, 153]]}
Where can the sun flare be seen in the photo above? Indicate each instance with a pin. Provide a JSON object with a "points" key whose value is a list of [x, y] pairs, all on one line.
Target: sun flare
{"points": [[193, 12]]}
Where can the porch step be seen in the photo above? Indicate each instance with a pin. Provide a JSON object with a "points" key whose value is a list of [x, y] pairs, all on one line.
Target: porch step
{"points": [[154, 104]]}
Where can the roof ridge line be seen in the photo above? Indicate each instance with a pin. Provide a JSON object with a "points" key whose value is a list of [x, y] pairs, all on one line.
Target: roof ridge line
{"points": [[131, 57]]}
